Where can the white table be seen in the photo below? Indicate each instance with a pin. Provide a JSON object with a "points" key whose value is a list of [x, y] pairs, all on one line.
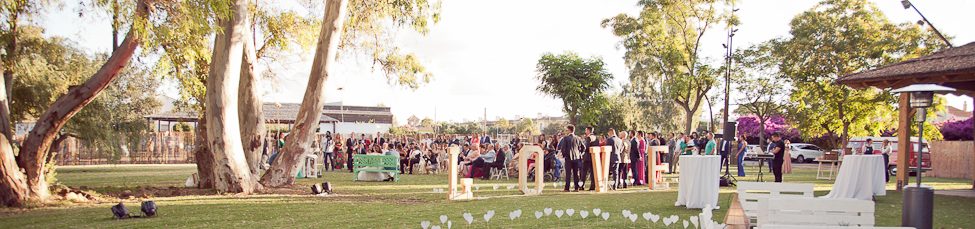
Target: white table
{"points": [[698, 181], [860, 177]]}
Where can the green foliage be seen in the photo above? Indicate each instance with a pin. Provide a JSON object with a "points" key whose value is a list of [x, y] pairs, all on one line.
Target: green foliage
{"points": [[764, 85], [49, 67], [578, 82], [662, 51], [367, 31], [836, 38], [527, 126]]}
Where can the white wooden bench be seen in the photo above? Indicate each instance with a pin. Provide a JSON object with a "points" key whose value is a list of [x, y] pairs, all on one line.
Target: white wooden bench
{"points": [[750, 193], [815, 212]]}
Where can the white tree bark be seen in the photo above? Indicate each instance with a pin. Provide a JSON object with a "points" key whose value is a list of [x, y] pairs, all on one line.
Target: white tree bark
{"points": [[251, 108], [231, 172], [284, 168]]}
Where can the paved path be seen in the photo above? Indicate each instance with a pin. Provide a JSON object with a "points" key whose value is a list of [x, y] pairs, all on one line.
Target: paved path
{"points": [[960, 192]]}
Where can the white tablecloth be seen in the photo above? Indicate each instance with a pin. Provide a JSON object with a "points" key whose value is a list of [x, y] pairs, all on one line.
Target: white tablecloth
{"points": [[860, 177], [698, 181]]}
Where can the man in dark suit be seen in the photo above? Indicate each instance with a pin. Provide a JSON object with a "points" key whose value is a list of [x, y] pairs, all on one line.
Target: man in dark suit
{"points": [[569, 147], [778, 152], [616, 144], [635, 157], [587, 174]]}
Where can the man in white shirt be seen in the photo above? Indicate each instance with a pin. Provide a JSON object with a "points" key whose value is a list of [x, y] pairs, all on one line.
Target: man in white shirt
{"points": [[328, 150]]}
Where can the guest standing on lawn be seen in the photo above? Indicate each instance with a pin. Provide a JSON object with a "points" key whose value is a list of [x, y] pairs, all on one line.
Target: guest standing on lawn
{"points": [[569, 147], [639, 172], [742, 148], [885, 149], [709, 146], [624, 159], [778, 151], [787, 163], [616, 145], [587, 174]]}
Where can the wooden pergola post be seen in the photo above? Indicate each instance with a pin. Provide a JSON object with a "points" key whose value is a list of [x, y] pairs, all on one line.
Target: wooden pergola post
{"points": [[903, 140]]}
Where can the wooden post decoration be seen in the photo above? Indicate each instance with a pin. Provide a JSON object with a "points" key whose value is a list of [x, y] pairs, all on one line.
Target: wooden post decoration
{"points": [[523, 157], [607, 151], [452, 193], [652, 154], [600, 166]]}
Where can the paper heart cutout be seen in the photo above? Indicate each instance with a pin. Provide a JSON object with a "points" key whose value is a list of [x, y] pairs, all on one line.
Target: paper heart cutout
{"points": [[584, 213], [468, 217], [538, 215], [626, 213], [654, 218], [633, 218], [667, 222], [558, 213], [694, 220], [674, 218], [477, 188], [488, 216], [597, 211], [435, 227], [685, 223], [548, 211], [496, 187], [605, 216], [646, 216], [518, 213], [450, 224], [443, 219], [512, 215], [511, 187], [425, 224], [570, 211]]}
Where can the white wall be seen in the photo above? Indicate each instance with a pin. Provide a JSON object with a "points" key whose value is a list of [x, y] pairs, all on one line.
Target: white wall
{"points": [[345, 128]]}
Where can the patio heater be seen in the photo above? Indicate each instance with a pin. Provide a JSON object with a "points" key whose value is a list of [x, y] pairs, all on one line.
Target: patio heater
{"points": [[919, 200]]}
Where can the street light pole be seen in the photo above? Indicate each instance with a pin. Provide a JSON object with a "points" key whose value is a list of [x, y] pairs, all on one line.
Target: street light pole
{"points": [[908, 4]]}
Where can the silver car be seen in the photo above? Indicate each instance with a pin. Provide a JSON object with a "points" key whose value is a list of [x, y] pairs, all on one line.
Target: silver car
{"points": [[804, 152]]}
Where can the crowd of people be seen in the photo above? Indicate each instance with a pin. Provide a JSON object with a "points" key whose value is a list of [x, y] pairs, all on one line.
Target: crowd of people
{"points": [[566, 155]]}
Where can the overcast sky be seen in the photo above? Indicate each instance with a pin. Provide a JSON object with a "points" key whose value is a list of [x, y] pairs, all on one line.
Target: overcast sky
{"points": [[483, 53]]}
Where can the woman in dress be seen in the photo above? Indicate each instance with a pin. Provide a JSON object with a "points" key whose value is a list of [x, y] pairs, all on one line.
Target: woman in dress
{"points": [[742, 148], [886, 149], [624, 166], [787, 164]]}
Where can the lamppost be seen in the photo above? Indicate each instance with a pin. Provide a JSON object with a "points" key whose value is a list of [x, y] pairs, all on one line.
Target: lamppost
{"points": [[919, 201]]}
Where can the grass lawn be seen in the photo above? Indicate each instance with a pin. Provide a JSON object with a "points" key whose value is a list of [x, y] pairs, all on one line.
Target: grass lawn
{"points": [[406, 203]]}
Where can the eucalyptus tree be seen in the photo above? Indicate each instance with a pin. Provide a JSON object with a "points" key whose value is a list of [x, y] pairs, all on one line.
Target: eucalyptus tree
{"points": [[663, 45]]}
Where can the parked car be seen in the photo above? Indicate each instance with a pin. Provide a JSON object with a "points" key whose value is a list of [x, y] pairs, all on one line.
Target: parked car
{"points": [[856, 142], [804, 152]]}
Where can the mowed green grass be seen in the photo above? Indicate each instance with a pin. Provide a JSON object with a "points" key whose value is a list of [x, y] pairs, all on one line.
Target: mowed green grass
{"points": [[406, 203]]}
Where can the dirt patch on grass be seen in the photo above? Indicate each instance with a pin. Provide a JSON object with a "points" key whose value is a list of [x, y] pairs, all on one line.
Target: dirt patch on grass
{"points": [[149, 192]]}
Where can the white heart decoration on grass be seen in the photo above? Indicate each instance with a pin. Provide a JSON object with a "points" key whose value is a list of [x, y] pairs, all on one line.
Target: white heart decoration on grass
{"points": [[435, 227], [597, 211], [548, 211], [654, 218], [685, 223], [488, 216], [511, 187], [468, 217], [694, 220], [646, 216], [496, 187], [512, 215], [558, 213], [443, 219], [570, 211], [425, 224], [518, 213], [450, 224], [605, 216], [538, 215], [626, 213], [584, 213], [667, 222], [477, 188], [633, 218]]}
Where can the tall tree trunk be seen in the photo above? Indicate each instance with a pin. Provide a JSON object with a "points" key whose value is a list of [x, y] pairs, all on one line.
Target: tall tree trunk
{"points": [[38, 141], [251, 108], [688, 118], [761, 134], [8, 73], [14, 191], [283, 169], [203, 155], [230, 170]]}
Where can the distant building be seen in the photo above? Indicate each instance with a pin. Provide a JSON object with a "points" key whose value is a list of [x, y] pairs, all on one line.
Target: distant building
{"points": [[335, 118], [953, 114]]}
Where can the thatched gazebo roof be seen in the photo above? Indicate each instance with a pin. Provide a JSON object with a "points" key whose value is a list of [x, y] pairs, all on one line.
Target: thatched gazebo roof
{"points": [[952, 67]]}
